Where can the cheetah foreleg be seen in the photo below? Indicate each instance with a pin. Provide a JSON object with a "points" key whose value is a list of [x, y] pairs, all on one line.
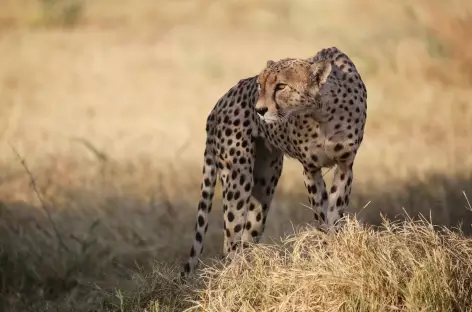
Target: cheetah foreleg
{"points": [[317, 195], [339, 195]]}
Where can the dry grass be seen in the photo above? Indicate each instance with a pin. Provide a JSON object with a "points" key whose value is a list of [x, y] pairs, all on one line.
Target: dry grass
{"points": [[408, 266], [106, 104]]}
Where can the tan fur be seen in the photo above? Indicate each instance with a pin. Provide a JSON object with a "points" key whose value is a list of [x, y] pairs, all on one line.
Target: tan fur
{"points": [[313, 110]]}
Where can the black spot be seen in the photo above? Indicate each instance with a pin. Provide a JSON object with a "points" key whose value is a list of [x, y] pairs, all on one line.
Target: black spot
{"points": [[312, 189], [322, 215], [201, 221], [248, 225], [198, 237], [259, 217], [230, 216], [237, 228], [324, 196], [240, 205], [345, 155], [192, 252], [254, 233], [339, 202], [338, 147]]}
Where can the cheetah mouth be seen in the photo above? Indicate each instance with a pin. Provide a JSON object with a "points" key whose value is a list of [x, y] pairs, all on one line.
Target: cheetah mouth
{"points": [[268, 118]]}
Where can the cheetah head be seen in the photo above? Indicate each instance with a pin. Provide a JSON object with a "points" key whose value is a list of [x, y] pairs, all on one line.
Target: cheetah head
{"points": [[290, 86]]}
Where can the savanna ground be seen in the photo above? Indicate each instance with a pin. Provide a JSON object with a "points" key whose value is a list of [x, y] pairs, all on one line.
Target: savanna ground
{"points": [[102, 111]]}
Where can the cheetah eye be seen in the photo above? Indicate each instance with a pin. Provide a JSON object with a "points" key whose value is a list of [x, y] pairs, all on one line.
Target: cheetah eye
{"points": [[280, 86]]}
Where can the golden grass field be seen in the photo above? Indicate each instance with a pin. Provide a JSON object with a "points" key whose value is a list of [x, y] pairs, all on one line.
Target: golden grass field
{"points": [[102, 115]]}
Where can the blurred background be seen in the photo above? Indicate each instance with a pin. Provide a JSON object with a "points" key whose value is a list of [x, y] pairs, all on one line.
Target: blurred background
{"points": [[103, 106]]}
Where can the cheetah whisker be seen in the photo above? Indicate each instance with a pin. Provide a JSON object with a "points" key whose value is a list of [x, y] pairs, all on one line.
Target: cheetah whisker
{"points": [[285, 116]]}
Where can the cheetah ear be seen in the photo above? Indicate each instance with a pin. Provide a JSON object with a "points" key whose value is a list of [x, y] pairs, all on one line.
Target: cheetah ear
{"points": [[320, 72], [270, 63]]}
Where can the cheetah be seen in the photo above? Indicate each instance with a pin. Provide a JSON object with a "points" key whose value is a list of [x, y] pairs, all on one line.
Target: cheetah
{"points": [[312, 110]]}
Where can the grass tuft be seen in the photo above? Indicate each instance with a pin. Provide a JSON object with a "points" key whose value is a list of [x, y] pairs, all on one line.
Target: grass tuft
{"points": [[399, 266]]}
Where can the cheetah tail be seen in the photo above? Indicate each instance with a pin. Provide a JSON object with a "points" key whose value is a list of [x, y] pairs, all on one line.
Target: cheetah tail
{"points": [[204, 207]]}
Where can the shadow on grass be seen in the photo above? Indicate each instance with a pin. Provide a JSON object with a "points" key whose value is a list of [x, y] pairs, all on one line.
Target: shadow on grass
{"points": [[97, 241], [443, 199]]}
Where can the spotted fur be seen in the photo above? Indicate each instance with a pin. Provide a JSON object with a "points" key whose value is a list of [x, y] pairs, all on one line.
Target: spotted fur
{"points": [[313, 110]]}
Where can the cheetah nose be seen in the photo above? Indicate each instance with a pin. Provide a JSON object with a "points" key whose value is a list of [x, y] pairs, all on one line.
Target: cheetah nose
{"points": [[261, 111]]}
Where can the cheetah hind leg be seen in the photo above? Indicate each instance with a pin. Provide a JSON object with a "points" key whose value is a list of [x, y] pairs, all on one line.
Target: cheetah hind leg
{"points": [[266, 173]]}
